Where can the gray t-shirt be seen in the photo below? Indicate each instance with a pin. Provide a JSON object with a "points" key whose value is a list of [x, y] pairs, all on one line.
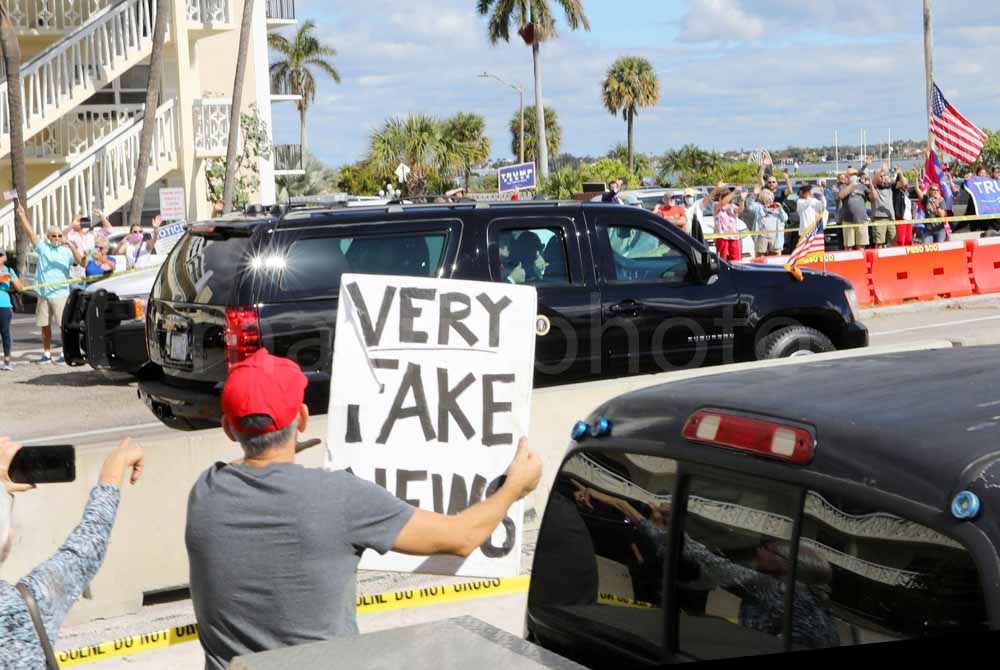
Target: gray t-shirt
{"points": [[854, 206], [883, 208], [274, 553]]}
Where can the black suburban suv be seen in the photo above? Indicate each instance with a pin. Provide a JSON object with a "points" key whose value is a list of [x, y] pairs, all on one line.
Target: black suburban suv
{"points": [[620, 292]]}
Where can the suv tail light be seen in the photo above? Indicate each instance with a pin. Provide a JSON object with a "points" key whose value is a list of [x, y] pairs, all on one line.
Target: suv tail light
{"points": [[764, 437], [242, 333]]}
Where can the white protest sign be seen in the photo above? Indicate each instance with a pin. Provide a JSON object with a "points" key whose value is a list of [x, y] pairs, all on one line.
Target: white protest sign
{"points": [[172, 204], [168, 236], [431, 391], [10, 195]]}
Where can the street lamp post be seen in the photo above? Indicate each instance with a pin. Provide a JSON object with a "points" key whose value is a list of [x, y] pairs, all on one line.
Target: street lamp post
{"points": [[520, 92]]}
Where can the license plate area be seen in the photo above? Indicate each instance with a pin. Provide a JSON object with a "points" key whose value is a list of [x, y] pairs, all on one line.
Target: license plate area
{"points": [[179, 347]]}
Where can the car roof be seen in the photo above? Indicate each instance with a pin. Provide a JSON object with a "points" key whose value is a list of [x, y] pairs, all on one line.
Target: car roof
{"points": [[309, 216], [911, 423]]}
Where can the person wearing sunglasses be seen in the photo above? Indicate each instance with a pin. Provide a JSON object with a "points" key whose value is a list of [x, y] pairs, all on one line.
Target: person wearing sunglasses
{"points": [[56, 257], [8, 282], [57, 583]]}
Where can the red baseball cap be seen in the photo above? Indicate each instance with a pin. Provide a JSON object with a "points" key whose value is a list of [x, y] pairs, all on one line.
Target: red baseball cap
{"points": [[263, 384]]}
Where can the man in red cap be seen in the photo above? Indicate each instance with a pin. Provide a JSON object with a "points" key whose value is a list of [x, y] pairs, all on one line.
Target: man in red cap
{"points": [[274, 546]]}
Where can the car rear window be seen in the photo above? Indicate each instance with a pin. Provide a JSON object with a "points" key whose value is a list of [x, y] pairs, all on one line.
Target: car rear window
{"points": [[600, 559], [201, 270], [313, 266]]}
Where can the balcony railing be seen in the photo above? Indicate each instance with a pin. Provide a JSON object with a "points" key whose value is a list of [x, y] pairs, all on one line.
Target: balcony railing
{"points": [[282, 87], [53, 16], [281, 10], [211, 127], [288, 158], [78, 131], [209, 12]]}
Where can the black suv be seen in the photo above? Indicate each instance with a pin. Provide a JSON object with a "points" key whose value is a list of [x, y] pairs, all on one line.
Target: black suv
{"points": [[722, 516], [620, 292]]}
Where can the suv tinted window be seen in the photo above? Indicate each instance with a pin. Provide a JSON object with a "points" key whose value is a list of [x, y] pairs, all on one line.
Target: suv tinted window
{"points": [[732, 577], [535, 256], [314, 265], [890, 578], [202, 270], [599, 563], [642, 256]]}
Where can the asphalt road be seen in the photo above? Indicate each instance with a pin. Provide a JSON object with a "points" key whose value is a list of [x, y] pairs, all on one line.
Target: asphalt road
{"points": [[60, 404]]}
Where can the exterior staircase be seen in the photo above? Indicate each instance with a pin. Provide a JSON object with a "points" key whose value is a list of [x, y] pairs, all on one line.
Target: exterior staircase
{"points": [[113, 39], [103, 176]]}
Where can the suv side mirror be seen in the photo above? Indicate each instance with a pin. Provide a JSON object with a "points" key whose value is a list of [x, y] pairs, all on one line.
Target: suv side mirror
{"points": [[709, 265]]}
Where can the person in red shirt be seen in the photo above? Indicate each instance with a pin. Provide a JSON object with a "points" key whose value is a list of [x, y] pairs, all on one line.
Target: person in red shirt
{"points": [[672, 212]]}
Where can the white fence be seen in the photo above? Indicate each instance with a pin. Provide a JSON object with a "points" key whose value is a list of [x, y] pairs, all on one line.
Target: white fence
{"points": [[78, 131], [211, 127], [53, 16], [104, 177]]}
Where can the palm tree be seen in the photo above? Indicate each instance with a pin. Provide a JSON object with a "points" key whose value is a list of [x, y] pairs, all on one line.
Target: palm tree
{"points": [[418, 141], [149, 114], [631, 83], [11, 49], [464, 136], [317, 180], [643, 162], [237, 100], [300, 56], [535, 23], [552, 134]]}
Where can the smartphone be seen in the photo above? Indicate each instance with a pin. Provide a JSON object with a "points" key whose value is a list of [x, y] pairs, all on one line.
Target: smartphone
{"points": [[43, 464]]}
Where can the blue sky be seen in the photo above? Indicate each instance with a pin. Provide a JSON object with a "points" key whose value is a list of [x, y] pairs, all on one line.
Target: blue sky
{"points": [[733, 73]]}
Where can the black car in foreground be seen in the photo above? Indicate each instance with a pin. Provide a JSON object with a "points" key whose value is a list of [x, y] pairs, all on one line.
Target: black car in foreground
{"points": [[620, 292], [725, 516]]}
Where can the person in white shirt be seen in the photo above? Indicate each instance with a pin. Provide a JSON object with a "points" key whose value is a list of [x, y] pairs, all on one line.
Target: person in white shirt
{"points": [[134, 249]]}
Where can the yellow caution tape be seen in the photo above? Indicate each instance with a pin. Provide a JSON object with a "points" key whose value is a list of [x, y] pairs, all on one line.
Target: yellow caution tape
{"points": [[382, 602], [83, 280]]}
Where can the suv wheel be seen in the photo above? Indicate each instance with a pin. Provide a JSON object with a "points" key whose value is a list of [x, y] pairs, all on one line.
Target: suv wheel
{"points": [[793, 341]]}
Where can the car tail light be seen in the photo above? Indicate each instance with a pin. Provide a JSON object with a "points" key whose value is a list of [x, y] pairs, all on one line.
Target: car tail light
{"points": [[242, 333], [139, 306], [764, 437]]}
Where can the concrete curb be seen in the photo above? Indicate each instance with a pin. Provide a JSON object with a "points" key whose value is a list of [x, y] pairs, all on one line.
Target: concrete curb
{"points": [[941, 304]]}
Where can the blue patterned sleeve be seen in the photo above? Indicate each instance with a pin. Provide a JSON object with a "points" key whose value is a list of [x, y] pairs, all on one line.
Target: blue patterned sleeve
{"points": [[58, 582]]}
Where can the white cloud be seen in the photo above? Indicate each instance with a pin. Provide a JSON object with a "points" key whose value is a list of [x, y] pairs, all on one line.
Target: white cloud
{"points": [[720, 21]]}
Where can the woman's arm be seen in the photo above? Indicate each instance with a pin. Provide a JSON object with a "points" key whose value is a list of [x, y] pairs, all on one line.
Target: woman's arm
{"points": [[58, 582], [22, 218], [151, 243]]}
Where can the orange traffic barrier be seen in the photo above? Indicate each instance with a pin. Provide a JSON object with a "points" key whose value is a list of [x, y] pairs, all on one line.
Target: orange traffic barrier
{"points": [[920, 272], [984, 262], [854, 266]]}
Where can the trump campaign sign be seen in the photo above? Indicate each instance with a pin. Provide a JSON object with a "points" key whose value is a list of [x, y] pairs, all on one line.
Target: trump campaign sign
{"points": [[521, 176], [985, 193], [431, 392]]}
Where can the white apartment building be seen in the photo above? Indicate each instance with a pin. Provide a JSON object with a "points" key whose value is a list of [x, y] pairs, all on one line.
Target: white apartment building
{"points": [[84, 71]]}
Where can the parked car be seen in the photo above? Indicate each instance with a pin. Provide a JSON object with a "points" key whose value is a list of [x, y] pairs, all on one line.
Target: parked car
{"points": [[688, 518], [103, 324], [232, 286]]}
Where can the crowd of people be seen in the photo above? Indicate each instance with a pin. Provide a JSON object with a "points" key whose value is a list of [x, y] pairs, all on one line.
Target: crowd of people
{"points": [[871, 211], [83, 250], [273, 546]]}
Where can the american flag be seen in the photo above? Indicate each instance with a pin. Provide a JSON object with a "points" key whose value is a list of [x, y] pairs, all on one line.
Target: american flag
{"points": [[811, 242], [954, 133]]}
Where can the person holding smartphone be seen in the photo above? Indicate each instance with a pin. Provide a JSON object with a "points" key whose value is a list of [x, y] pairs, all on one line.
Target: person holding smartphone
{"points": [[59, 581]]}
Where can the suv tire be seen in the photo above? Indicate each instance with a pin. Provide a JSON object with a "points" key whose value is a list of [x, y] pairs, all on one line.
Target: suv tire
{"points": [[791, 341]]}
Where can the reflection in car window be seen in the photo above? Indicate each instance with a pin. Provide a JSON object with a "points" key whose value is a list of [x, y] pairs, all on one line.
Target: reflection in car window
{"points": [[892, 579], [314, 266], [641, 256], [534, 256], [599, 563], [737, 554]]}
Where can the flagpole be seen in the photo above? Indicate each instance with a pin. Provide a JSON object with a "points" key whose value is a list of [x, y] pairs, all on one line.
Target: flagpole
{"points": [[929, 67]]}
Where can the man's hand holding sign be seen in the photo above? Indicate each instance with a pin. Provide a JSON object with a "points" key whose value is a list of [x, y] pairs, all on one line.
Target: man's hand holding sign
{"points": [[431, 391]]}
